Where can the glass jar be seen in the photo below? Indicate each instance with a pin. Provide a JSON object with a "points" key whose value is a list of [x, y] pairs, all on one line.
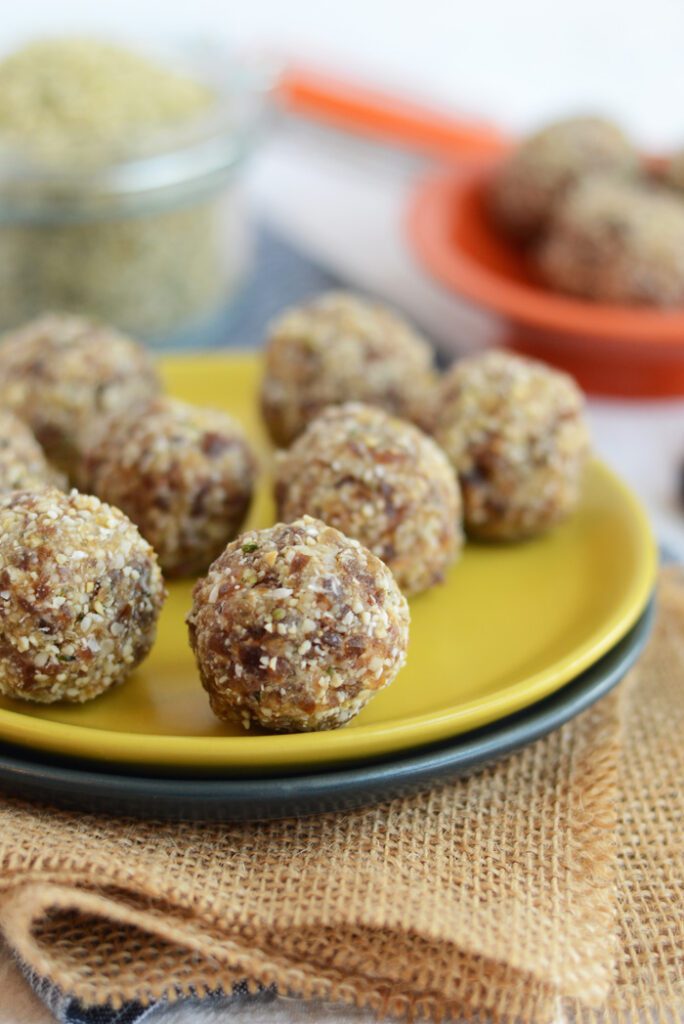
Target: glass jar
{"points": [[155, 242]]}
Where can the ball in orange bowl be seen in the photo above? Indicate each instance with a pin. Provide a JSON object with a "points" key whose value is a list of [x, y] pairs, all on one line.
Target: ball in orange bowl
{"points": [[609, 349], [616, 241], [536, 174]]}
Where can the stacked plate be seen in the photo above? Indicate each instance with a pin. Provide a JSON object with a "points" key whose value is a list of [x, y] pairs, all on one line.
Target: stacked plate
{"points": [[518, 640]]}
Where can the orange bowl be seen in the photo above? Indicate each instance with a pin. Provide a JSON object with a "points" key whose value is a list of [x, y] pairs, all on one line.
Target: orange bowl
{"points": [[613, 350]]}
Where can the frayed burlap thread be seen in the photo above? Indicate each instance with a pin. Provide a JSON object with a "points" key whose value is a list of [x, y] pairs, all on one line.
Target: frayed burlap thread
{"points": [[495, 896]]}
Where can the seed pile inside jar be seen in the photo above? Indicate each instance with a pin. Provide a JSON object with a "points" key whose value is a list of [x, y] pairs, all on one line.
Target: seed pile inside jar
{"points": [[75, 115], [65, 98]]}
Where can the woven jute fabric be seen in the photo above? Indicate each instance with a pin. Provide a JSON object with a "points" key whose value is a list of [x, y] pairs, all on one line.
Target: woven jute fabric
{"points": [[548, 884]]}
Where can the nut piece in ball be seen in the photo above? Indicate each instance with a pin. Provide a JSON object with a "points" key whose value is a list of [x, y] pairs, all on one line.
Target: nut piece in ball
{"points": [[23, 466], [64, 376], [342, 348], [183, 474], [617, 241], [536, 175], [380, 480], [80, 594], [296, 627], [515, 432]]}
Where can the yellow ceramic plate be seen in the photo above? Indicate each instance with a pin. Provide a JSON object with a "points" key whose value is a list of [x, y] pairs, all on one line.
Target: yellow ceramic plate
{"points": [[510, 625]]}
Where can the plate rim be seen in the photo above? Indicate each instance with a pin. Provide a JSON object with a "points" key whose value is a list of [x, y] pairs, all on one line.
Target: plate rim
{"points": [[425, 766], [205, 752]]}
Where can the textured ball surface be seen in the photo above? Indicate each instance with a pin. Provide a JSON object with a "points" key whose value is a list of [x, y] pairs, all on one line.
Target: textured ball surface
{"points": [[616, 241], [65, 376], [183, 474], [296, 627], [380, 480], [515, 432], [80, 594], [342, 348], [536, 175], [23, 465]]}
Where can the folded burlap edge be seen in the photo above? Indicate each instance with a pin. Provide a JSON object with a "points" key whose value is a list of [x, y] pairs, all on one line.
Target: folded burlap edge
{"points": [[502, 990], [222, 965]]}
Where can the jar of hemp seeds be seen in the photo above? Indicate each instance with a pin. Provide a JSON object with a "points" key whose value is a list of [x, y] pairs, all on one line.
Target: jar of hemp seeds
{"points": [[120, 186]]}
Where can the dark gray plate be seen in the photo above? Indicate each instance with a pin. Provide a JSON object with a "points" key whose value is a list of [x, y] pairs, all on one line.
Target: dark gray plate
{"points": [[77, 785]]}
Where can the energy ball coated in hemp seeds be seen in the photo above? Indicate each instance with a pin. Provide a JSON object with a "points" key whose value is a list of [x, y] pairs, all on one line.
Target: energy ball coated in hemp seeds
{"points": [[380, 480], [617, 241], [539, 171], [515, 432], [23, 466], [296, 627], [80, 594], [65, 376], [183, 474], [342, 348]]}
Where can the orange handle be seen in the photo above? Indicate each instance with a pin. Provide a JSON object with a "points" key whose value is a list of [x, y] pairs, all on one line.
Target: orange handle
{"points": [[364, 111]]}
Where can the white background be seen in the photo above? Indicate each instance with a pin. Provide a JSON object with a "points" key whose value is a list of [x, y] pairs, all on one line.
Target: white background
{"points": [[515, 62]]}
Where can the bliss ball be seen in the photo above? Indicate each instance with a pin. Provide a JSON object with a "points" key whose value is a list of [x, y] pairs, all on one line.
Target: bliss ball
{"points": [[530, 182], [183, 474], [296, 627], [23, 465], [380, 480], [515, 432], [65, 376], [617, 242], [341, 348], [80, 594]]}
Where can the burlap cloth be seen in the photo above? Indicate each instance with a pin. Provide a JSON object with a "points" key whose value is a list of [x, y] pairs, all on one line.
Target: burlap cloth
{"points": [[544, 886]]}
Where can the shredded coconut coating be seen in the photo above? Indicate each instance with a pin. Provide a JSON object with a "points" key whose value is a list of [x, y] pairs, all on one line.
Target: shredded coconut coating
{"points": [[616, 241], [342, 348], [80, 593], [65, 376], [515, 432], [183, 474], [380, 480], [535, 176], [296, 627], [23, 465]]}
